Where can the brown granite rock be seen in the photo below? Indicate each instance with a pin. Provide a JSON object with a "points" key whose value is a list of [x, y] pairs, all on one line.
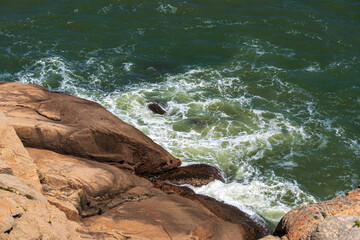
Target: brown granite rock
{"points": [[70, 125], [165, 217], [311, 221], [270, 237], [254, 228], [24, 211], [83, 188], [196, 175], [14, 159], [116, 204], [48, 195], [23, 218], [335, 228]]}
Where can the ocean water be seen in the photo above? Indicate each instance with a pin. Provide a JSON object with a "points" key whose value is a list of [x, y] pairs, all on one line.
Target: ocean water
{"points": [[267, 91]]}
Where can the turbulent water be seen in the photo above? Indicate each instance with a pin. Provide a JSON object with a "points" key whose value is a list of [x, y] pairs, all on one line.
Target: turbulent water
{"points": [[267, 91]]}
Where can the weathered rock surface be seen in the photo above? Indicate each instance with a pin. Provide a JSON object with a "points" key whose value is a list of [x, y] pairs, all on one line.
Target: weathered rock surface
{"points": [[334, 228], [15, 159], [332, 219], [24, 211], [116, 204], [23, 218], [196, 175], [83, 188], [70, 125], [221, 210], [53, 190], [165, 217]]}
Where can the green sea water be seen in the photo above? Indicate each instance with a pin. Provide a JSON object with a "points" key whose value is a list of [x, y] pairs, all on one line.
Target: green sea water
{"points": [[267, 91]]}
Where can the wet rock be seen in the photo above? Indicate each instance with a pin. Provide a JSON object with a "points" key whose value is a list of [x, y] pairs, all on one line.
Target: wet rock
{"points": [[196, 175], [156, 108], [70, 125]]}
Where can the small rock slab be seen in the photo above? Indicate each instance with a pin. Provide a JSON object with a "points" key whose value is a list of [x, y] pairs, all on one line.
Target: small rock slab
{"points": [[156, 108], [196, 175]]}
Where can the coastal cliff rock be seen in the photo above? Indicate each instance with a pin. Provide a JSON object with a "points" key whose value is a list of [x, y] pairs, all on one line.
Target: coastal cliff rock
{"points": [[70, 125], [24, 211], [14, 159], [329, 220], [78, 177], [116, 204]]}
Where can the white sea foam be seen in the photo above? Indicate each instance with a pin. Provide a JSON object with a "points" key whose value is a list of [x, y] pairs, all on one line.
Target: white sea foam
{"points": [[313, 68], [127, 66], [258, 198], [105, 9], [167, 8], [221, 142], [206, 123]]}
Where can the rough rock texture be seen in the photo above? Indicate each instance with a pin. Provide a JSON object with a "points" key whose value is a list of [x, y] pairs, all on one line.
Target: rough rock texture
{"points": [[45, 194], [270, 237], [314, 221], [116, 204], [165, 217], [15, 159], [334, 228], [196, 175], [24, 211], [221, 210], [70, 125], [23, 218], [83, 188]]}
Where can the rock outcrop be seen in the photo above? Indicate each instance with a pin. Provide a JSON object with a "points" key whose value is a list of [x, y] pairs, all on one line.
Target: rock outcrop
{"points": [[116, 204], [70, 125], [80, 177], [24, 211], [156, 108], [329, 220], [196, 175]]}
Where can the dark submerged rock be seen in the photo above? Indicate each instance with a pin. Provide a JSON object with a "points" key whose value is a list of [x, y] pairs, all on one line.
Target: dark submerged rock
{"points": [[156, 108], [196, 175]]}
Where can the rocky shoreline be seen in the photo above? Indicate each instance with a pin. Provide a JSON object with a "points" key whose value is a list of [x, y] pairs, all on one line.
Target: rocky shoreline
{"points": [[69, 169]]}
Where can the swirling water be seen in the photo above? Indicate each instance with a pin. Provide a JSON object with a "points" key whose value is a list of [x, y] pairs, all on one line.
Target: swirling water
{"points": [[267, 91]]}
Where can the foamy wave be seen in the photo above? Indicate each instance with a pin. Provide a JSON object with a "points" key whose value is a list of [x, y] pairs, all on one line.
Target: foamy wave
{"points": [[167, 8], [210, 118], [270, 199]]}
